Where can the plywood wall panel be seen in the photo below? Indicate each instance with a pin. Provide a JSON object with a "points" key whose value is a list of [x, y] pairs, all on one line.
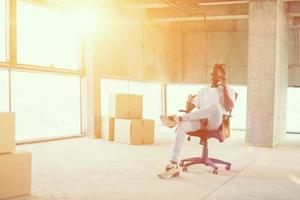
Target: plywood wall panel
{"points": [[121, 47], [202, 49], [157, 53], [136, 49], [195, 56], [238, 49]]}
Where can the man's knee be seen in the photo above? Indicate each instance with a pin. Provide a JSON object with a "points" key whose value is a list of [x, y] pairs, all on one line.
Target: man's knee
{"points": [[187, 126], [183, 127]]}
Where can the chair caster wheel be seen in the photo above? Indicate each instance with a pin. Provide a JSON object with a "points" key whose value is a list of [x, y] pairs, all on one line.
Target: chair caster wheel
{"points": [[184, 169], [228, 167], [215, 171]]}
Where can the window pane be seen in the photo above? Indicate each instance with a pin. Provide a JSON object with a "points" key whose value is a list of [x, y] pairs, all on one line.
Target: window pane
{"points": [[151, 98], [239, 112], [3, 30], [293, 110], [177, 95], [45, 105], [46, 37], [4, 100]]}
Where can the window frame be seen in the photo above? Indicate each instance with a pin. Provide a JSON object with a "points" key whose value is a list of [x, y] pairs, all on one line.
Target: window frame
{"points": [[12, 65]]}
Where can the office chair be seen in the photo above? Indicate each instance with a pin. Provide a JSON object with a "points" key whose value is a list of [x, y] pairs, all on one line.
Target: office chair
{"points": [[220, 134]]}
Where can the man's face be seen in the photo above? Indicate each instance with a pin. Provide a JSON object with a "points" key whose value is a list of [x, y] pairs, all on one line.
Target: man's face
{"points": [[215, 77]]}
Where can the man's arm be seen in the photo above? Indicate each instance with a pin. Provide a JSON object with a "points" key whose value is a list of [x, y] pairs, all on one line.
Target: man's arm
{"points": [[228, 103]]}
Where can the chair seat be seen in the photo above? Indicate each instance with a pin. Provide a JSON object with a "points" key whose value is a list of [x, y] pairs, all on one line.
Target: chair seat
{"points": [[207, 134]]}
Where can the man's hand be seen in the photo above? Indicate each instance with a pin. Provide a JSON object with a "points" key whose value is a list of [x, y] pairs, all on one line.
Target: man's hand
{"points": [[228, 103], [189, 106], [190, 98], [223, 80]]}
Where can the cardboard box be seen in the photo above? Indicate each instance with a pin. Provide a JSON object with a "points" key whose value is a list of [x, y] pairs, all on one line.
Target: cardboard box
{"points": [[126, 106], [7, 132], [134, 131], [107, 128], [15, 174]]}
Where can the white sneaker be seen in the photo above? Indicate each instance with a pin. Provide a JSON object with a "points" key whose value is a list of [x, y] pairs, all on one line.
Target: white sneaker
{"points": [[168, 121], [171, 170]]}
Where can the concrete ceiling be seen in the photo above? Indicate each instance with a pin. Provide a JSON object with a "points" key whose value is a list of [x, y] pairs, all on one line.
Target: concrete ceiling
{"points": [[184, 10], [72, 3], [293, 11], [190, 10]]}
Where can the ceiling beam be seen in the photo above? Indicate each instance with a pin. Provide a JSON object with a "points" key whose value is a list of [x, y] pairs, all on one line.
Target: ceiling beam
{"points": [[221, 10], [148, 4], [294, 7], [294, 14], [295, 22], [223, 3], [200, 18]]}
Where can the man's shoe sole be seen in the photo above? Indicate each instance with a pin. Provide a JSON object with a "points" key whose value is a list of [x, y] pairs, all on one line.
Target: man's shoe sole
{"points": [[161, 176], [167, 122]]}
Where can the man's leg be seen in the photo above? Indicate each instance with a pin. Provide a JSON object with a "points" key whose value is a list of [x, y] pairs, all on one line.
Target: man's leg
{"points": [[212, 112], [183, 127]]}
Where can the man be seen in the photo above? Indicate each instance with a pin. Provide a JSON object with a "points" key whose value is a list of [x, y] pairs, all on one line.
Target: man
{"points": [[211, 103]]}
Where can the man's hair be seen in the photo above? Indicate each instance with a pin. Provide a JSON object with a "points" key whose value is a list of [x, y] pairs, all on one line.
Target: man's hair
{"points": [[221, 67]]}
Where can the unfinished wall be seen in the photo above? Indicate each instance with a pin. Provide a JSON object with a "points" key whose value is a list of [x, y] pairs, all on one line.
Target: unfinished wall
{"points": [[227, 41], [218, 41], [132, 48]]}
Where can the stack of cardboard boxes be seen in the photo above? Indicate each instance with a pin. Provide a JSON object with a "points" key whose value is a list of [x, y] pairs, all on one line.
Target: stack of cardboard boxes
{"points": [[126, 123], [15, 167]]}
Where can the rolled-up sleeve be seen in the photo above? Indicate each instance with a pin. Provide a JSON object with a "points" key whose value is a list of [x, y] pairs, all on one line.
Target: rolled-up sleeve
{"points": [[196, 100], [231, 94]]}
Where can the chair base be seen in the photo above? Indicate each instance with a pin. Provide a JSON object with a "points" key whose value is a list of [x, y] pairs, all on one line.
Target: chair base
{"points": [[185, 163]]}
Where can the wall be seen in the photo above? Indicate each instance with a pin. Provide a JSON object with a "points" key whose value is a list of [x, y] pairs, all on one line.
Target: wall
{"points": [[227, 41], [219, 41], [132, 48]]}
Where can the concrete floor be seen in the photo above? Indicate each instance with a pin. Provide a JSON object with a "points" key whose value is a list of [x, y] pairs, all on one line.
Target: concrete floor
{"points": [[93, 169]]}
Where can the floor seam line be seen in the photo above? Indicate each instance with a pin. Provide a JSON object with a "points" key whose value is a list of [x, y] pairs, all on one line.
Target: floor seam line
{"points": [[211, 192]]}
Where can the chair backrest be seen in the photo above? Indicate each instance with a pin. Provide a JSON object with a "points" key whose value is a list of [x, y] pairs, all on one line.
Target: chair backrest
{"points": [[226, 126], [226, 122]]}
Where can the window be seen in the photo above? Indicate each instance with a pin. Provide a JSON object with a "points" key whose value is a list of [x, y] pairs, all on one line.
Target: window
{"points": [[4, 99], [293, 110], [3, 30], [151, 99], [45, 105], [50, 39], [239, 112], [151, 95]]}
